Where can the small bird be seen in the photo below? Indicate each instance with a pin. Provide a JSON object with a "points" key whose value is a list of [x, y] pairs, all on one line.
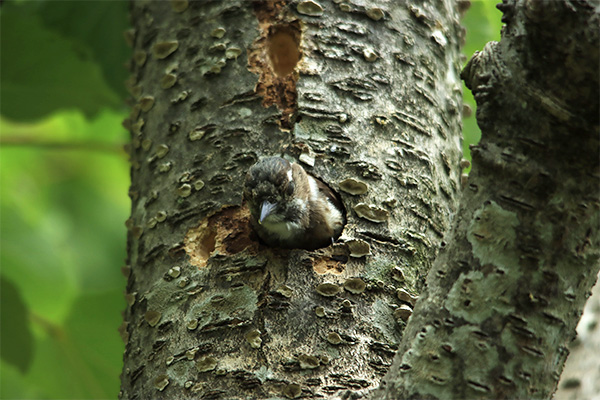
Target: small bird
{"points": [[290, 208]]}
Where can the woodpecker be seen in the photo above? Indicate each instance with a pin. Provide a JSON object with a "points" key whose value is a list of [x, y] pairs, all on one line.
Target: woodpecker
{"points": [[290, 208]]}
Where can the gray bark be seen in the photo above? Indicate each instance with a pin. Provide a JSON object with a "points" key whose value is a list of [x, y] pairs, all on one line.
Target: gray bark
{"points": [[372, 108], [580, 378], [504, 296]]}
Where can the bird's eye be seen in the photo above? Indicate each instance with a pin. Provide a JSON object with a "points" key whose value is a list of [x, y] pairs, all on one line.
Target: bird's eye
{"points": [[290, 189]]}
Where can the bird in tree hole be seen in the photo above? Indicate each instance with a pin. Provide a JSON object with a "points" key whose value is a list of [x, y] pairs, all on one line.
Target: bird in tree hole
{"points": [[290, 208]]}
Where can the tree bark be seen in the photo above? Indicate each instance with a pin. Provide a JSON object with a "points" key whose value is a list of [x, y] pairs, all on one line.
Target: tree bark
{"points": [[367, 97], [504, 296]]}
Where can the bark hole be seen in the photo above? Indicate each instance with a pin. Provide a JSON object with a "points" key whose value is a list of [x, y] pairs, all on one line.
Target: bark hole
{"points": [[283, 50], [327, 265], [207, 244], [274, 56], [227, 231], [200, 243]]}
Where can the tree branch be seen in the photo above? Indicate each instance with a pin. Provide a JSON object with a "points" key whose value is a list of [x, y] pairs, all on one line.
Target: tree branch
{"points": [[34, 142], [504, 296]]}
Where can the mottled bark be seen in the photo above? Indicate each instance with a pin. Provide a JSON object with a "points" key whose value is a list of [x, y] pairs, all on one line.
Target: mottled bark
{"points": [[504, 296], [367, 96], [580, 378]]}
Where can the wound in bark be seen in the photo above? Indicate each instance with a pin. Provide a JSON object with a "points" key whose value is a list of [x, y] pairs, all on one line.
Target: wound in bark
{"points": [[283, 50], [274, 56], [227, 231]]}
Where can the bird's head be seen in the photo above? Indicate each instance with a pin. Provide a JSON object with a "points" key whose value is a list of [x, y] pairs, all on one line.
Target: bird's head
{"points": [[272, 194]]}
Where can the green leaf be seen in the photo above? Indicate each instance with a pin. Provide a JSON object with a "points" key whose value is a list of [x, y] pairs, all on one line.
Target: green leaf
{"points": [[79, 359], [42, 71], [70, 206], [63, 243], [16, 346], [95, 25], [82, 358]]}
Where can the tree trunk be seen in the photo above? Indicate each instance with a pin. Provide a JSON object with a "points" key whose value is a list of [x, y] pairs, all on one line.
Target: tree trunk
{"points": [[368, 100], [504, 296]]}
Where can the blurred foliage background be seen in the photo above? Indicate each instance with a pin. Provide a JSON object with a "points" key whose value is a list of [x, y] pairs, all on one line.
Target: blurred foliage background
{"points": [[64, 179]]}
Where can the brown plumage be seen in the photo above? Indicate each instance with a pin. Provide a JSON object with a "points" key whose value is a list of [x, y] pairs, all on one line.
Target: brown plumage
{"points": [[290, 208]]}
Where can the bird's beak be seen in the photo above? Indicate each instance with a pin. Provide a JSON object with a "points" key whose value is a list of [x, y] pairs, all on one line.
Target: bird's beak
{"points": [[265, 210]]}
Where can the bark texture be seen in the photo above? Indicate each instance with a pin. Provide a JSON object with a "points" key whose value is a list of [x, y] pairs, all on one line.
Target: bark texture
{"points": [[367, 96], [504, 296], [580, 378]]}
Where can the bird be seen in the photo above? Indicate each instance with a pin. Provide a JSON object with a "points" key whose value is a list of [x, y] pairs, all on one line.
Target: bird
{"points": [[290, 208]]}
